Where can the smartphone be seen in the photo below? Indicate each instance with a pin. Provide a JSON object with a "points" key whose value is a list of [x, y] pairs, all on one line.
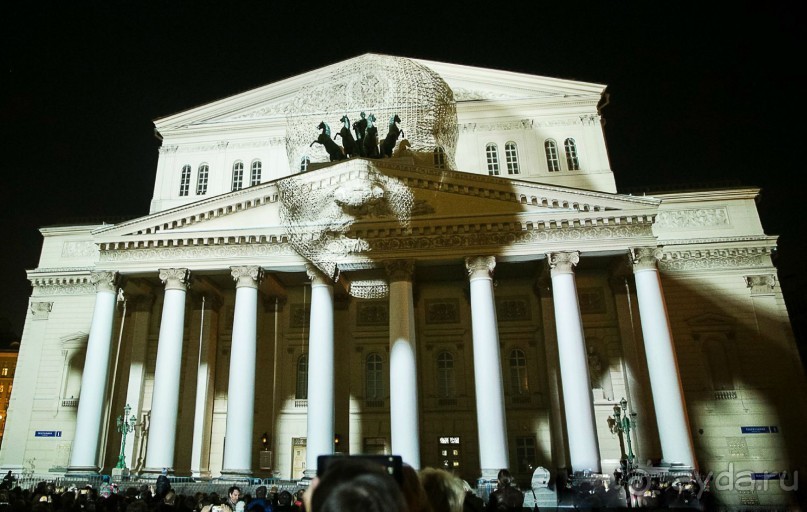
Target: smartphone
{"points": [[392, 464]]}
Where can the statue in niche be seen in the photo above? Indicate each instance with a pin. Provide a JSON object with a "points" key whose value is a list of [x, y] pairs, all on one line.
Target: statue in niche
{"points": [[334, 150], [371, 138], [392, 136], [360, 128], [348, 142], [600, 375]]}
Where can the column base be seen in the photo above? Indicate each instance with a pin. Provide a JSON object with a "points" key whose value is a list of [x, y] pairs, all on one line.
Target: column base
{"points": [[120, 473], [157, 471], [235, 474], [201, 475], [73, 471]]}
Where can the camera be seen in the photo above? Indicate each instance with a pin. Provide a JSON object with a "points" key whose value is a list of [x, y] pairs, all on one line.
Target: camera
{"points": [[392, 464]]}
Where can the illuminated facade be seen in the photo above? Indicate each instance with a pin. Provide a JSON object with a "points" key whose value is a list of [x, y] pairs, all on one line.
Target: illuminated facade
{"points": [[480, 299]]}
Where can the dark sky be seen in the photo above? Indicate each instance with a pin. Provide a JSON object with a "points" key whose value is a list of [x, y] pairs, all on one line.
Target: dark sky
{"points": [[698, 94]]}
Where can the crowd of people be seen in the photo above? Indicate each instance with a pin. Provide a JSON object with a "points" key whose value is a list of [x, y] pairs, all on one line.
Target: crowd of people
{"points": [[348, 485]]}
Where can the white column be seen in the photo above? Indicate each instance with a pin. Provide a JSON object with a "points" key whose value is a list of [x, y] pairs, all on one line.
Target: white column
{"points": [[140, 306], [84, 454], [320, 371], [403, 364], [205, 383], [662, 363], [490, 419], [165, 398], [581, 430], [241, 389]]}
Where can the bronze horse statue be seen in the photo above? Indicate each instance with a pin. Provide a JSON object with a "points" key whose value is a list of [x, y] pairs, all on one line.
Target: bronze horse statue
{"points": [[388, 144], [348, 143], [334, 150], [360, 127], [370, 141]]}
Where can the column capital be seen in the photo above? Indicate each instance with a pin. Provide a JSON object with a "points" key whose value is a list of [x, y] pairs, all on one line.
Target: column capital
{"points": [[41, 310], [249, 276], [105, 281], [645, 258], [316, 275], [761, 284], [175, 278], [562, 262], [400, 270], [480, 267]]}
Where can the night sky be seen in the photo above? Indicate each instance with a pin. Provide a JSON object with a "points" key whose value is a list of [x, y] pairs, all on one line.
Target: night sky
{"points": [[698, 95]]}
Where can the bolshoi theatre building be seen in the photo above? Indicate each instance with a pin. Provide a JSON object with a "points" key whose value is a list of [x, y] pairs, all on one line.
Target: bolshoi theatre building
{"points": [[400, 256]]}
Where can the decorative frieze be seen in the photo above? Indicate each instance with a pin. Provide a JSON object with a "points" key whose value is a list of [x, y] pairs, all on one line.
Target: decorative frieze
{"points": [[693, 218], [41, 310], [196, 252], [520, 124], [78, 249], [711, 259]]}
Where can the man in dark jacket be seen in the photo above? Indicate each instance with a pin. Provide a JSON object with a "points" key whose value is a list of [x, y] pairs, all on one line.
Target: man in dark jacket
{"points": [[505, 497], [260, 503]]}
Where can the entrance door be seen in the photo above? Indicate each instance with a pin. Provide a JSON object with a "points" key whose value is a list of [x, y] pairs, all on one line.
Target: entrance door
{"points": [[297, 457]]}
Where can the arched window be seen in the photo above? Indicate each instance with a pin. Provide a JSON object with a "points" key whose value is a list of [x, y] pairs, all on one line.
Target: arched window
{"points": [[255, 175], [492, 154], [185, 180], [446, 383], [519, 383], [201, 180], [571, 155], [238, 176], [439, 158], [374, 378], [511, 156], [552, 160], [304, 163], [302, 378]]}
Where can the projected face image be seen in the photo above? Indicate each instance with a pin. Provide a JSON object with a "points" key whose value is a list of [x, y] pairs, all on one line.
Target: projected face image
{"points": [[320, 221]]}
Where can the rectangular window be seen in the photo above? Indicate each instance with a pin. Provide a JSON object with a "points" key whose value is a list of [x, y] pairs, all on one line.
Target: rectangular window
{"points": [[525, 453]]}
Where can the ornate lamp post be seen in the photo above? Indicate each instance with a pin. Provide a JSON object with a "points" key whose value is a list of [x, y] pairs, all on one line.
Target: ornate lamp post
{"points": [[621, 424], [124, 427]]}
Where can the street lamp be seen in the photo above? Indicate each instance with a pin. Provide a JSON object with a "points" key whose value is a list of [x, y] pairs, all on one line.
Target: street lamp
{"points": [[124, 427], [621, 424]]}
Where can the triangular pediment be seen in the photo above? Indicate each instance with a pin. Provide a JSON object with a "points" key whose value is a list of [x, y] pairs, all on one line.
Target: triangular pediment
{"points": [[437, 197], [280, 99]]}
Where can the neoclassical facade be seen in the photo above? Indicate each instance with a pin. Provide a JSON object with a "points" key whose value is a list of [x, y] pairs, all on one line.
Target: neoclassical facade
{"points": [[481, 297]]}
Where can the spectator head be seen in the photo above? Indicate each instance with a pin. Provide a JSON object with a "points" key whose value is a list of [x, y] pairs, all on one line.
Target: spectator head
{"points": [[356, 485], [260, 492], [444, 490], [505, 478], [284, 498], [413, 491]]}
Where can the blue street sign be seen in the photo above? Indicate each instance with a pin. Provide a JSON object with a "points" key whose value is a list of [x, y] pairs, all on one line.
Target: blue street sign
{"points": [[773, 429], [48, 433]]}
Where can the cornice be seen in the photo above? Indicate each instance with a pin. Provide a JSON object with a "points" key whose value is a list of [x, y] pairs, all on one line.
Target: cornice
{"points": [[529, 228]]}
